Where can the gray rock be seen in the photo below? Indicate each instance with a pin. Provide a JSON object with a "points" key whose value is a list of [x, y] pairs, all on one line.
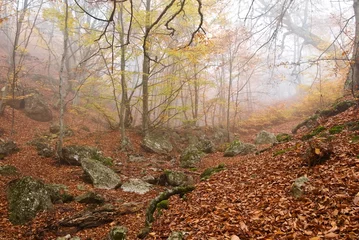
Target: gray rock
{"points": [[7, 148], [149, 179], [136, 185], [205, 145], [59, 193], [176, 236], [190, 157], [176, 178], [136, 158], [90, 197], [101, 176], [239, 148], [297, 187], [264, 137], [26, 197], [37, 109], [117, 233], [55, 129], [157, 143], [74, 154]]}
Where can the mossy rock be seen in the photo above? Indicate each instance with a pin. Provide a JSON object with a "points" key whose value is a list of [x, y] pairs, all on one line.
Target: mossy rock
{"points": [[118, 233], [7, 148], [59, 193], [313, 133], [26, 197], [74, 154], [90, 198], [175, 178], [283, 137], [190, 157], [337, 108], [309, 123], [210, 171], [336, 129], [7, 170], [239, 148]]}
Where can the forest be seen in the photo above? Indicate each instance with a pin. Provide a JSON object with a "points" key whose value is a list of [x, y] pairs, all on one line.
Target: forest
{"points": [[179, 119]]}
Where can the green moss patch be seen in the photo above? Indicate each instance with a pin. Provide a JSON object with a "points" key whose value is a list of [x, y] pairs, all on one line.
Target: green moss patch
{"points": [[336, 129], [313, 133], [283, 137], [210, 171]]}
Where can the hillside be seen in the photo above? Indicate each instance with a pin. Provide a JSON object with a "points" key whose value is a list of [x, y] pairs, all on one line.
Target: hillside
{"points": [[251, 198]]}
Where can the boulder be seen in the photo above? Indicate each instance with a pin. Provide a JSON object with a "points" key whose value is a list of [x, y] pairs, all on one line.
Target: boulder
{"points": [[239, 148], [117, 233], [59, 193], [7, 148], [55, 129], [73, 155], [37, 109], [7, 170], [175, 179], [297, 187], [157, 143], [43, 147], [90, 197], [264, 137], [101, 176], [26, 197], [205, 145], [190, 157], [136, 186]]}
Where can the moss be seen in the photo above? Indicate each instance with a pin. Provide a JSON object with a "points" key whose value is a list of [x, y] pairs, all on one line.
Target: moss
{"points": [[163, 204], [354, 139], [283, 137], [314, 133], [280, 152], [336, 129], [8, 170], [210, 171], [308, 123], [337, 108], [353, 126]]}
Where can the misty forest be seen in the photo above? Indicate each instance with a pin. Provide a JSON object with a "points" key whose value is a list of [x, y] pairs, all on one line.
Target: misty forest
{"points": [[179, 119]]}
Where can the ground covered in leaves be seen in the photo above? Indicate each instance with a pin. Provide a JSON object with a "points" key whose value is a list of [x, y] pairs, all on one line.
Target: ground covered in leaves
{"points": [[250, 199]]}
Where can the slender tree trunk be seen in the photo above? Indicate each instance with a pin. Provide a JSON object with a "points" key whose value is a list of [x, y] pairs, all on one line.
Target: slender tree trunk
{"points": [[229, 97], [61, 82], [354, 73], [146, 73]]}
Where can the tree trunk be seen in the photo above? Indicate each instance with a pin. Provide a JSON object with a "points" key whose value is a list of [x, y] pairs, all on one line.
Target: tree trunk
{"points": [[61, 82], [146, 72], [353, 76]]}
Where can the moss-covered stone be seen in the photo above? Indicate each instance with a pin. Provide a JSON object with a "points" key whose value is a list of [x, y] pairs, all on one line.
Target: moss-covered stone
{"points": [[59, 193], [308, 123], [26, 197], [7, 170], [337, 108], [336, 129], [74, 154], [210, 171], [190, 157], [175, 178], [7, 148], [90, 198], [280, 152], [238, 148], [283, 137], [118, 233], [313, 133]]}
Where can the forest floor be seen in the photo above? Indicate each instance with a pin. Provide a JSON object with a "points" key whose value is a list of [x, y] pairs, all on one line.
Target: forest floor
{"points": [[250, 199]]}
